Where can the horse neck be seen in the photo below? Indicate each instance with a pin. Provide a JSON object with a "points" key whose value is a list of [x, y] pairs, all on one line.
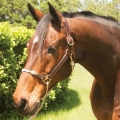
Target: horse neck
{"points": [[85, 30], [101, 49]]}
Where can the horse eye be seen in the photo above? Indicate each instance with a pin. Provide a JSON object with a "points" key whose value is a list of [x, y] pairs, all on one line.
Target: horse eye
{"points": [[51, 49]]}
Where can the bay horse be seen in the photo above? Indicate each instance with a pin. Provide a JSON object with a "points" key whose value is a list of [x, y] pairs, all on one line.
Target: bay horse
{"points": [[60, 40]]}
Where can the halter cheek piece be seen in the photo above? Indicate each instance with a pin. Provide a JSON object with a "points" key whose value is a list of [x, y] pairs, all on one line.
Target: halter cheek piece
{"points": [[47, 78]]}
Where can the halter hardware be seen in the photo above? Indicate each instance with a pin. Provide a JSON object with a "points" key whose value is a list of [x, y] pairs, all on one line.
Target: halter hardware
{"points": [[47, 78], [70, 41], [72, 62]]}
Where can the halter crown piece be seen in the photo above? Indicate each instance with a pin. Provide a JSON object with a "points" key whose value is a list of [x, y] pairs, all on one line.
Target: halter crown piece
{"points": [[47, 78]]}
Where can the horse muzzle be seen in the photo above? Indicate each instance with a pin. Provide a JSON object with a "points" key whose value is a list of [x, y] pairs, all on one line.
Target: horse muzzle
{"points": [[28, 107]]}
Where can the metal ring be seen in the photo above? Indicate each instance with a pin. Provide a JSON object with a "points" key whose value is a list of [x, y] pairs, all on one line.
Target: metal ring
{"points": [[69, 39]]}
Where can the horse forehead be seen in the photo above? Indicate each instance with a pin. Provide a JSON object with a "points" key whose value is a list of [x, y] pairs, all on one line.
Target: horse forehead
{"points": [[54, 33]]}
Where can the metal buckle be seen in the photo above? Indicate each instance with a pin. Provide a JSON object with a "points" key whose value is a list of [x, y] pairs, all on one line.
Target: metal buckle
{"points": [[46, 80], [70, 40]]}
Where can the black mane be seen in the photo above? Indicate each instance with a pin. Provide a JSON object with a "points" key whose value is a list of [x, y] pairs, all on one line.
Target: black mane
{"points": [[87, 14]]}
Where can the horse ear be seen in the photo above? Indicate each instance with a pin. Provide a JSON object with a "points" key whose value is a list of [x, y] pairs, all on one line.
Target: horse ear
{"points": [[57, 16], [37, 15]]}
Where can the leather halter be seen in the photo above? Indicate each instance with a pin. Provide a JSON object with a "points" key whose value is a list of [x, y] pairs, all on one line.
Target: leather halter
{"points": [[68, 54]]}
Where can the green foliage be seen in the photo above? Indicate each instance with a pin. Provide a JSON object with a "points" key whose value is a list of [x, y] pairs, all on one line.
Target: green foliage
{"points": [[12, 44], [61, 5], [12, 58], [57, 95], [17, 13]]}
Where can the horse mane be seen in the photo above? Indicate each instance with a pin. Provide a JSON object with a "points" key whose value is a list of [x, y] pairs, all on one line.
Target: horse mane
{"points": [[87, 14], [107, 20]]}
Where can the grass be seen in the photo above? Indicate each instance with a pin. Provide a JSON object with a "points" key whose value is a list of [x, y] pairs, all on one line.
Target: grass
{"points": [[78, 105]]}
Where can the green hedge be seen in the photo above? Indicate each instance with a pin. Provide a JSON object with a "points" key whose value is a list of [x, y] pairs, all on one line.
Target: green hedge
{"points": [[12, 58]]}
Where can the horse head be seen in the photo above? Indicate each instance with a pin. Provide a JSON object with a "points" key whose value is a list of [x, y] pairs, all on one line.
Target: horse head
{"points": [[50, 51]]}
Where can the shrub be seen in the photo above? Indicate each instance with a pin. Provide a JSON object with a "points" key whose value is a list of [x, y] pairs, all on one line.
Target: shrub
{"points": [[12, 58]]}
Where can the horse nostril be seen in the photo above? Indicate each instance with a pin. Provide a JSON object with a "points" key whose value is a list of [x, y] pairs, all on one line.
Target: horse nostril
{"points": [[23, 103]]}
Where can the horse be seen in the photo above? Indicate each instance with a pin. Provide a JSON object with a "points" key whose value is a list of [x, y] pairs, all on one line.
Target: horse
{"points": [[61, 40]]}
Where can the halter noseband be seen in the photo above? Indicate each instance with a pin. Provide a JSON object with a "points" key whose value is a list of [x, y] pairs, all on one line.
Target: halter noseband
{"points": [[68, 54]]}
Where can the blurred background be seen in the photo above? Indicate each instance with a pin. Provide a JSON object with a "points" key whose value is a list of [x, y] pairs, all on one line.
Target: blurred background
{"points": [[69, 100]]}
